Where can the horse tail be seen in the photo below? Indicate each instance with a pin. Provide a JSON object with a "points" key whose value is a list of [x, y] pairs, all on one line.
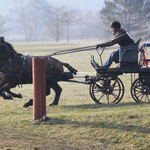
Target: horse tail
{"points": [[71, 69]]}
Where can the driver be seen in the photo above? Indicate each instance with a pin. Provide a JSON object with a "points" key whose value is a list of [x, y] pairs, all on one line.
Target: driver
{"points": [[122, 38]]}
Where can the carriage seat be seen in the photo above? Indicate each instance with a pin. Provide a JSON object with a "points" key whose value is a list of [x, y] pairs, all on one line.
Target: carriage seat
{"points": [[128, 56]]}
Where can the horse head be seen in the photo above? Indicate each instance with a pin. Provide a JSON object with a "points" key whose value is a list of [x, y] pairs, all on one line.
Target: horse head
{"points": [[6, 51], [4, 55]]}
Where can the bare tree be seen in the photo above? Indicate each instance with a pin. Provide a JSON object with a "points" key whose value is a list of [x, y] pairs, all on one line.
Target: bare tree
{"points": [[30, 17], [91, 25], [56, 21], [38, 20], [61, 19], [70, 17]]}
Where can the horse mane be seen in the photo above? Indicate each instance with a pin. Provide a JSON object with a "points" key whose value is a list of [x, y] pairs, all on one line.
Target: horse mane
{"points": [[3, 43], [7, 51], [11, 47]]}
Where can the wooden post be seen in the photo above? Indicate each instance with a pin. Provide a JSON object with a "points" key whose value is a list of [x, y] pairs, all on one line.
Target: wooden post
{"points": [[39, 87]]}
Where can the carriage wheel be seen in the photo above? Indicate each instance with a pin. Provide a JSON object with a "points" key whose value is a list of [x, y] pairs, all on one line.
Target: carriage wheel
{"points": [[107, 90], [140, 90]]}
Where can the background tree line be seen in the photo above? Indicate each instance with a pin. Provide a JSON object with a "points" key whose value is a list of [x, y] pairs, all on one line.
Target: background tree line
{"points": [[38, 20], [134, 16]]}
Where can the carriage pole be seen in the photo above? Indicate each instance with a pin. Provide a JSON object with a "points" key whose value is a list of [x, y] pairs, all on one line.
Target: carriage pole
{"points": [[39, 87]]}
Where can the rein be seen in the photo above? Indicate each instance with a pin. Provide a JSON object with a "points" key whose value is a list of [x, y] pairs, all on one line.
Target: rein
{"points": [[73, 50]]}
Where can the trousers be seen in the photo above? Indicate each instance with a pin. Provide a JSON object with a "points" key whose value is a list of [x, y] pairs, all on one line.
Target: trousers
{"points": [[114, 57]]}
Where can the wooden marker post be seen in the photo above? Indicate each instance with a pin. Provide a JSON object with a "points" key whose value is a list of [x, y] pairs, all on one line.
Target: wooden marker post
{"points": [[39, 87]]}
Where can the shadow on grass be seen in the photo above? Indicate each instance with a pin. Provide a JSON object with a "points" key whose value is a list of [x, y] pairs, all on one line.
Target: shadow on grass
{"points": [[95, 106], [104, 125]]}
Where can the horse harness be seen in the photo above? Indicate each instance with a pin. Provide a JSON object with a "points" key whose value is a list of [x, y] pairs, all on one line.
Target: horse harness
{"points": [[22, 70]]}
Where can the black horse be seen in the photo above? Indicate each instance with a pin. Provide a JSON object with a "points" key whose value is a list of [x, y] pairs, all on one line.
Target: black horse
{"points": [[7, 94], [17, 69]]}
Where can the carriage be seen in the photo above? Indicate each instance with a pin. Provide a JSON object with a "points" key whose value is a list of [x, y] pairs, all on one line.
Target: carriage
{"points": [[107, 87]]}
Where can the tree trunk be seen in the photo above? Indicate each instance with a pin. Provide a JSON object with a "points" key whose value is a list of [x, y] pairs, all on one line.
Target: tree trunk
{"points": [[68, 31]]}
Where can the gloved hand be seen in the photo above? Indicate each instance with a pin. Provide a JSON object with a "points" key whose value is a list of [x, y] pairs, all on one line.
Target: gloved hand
{"points": [[146, 44], [99, 45]]}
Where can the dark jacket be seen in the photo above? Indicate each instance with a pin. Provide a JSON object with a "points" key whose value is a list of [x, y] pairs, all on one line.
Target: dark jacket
{"points": [[121, 37]]}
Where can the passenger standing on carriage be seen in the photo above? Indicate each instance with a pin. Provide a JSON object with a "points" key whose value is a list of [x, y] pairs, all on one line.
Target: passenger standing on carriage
{"points": [[122, 38]]}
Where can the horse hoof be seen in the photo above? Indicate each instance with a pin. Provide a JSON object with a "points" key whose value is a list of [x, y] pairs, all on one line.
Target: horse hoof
{"points": [[19, 96], [25, 105], [29, 103], [53, 104], [8, 97]]}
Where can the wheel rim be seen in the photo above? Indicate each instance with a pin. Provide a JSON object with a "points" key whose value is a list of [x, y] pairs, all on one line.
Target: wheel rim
{"points": [[107, 90], [140, 90]]}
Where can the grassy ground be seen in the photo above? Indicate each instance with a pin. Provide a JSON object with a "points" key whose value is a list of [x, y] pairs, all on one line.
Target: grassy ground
{"points": [[77, 123]]}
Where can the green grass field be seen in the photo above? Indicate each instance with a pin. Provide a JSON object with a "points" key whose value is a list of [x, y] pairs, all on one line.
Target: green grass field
{"points": [[77, 123]]}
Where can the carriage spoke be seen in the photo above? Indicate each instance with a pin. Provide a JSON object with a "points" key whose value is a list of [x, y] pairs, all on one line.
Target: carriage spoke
{"points": [[114, 84], [97, 90], [117, 89], [138, 89], [148, 98], [142, 97], [140, 94], [107, 95], [145, 98], [101, 97], [101, 83], [114, 95]]}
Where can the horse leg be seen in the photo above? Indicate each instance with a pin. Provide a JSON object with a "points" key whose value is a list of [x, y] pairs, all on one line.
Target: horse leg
{"points": [[6, 95], [14, 94], [9, 95], [4, 90], [57, 89], [30, 102]]}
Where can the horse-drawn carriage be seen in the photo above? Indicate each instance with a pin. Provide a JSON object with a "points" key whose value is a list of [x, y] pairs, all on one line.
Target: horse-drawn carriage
{"points": [[107, 86]]}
